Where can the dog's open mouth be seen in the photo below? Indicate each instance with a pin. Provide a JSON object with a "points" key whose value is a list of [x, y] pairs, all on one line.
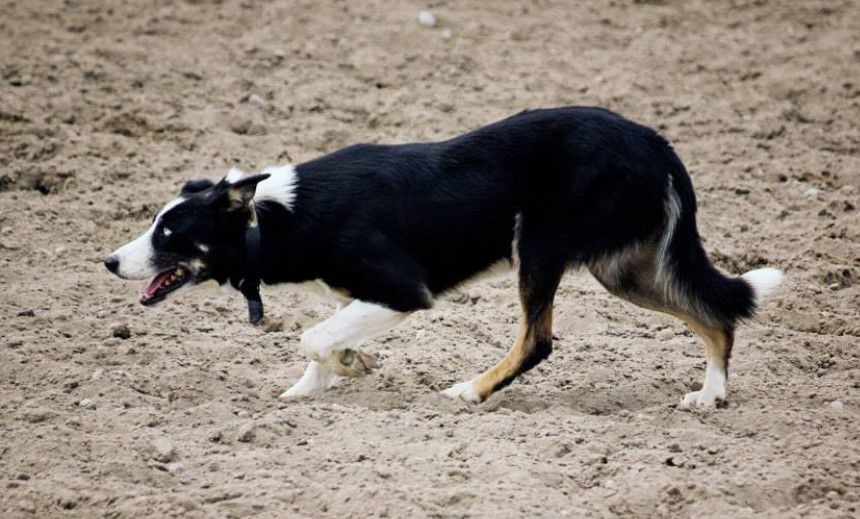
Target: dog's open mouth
{"points": [[164, 283]]}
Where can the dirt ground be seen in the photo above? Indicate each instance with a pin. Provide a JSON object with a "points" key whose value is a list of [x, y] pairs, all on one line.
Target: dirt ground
{"points": [[109, 409]]}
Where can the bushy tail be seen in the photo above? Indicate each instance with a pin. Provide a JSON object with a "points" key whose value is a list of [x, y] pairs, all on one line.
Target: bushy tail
{"points": [[763, 281], [708, 293]]}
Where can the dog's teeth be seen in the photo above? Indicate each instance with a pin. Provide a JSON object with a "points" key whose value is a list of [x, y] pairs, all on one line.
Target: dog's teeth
{"points": [[177, 272]]}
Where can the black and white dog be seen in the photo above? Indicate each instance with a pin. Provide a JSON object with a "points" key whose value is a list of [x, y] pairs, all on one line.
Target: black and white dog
{"points": [[388, 228]]}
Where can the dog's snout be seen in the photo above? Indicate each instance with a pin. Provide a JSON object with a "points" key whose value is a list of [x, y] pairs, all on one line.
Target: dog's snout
{"points": [[112, 263]]}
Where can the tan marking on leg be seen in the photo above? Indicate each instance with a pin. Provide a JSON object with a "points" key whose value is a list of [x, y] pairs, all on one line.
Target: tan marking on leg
{"points": [[718, 347], [718, 343], [512, 364], [486, 381], [353, 363]]}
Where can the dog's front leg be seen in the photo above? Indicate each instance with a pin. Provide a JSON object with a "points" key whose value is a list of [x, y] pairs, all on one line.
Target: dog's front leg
{"points": [[330, 345]]}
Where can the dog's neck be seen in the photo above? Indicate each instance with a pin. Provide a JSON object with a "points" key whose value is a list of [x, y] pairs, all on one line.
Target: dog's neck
{"points": [[281, 252]]}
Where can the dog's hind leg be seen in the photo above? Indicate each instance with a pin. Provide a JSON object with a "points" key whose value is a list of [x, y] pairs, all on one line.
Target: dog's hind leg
{"points": [[718, 348], [540, 273], [634, 275]]}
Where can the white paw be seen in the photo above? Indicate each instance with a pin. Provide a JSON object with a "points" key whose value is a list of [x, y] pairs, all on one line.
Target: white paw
{"points": [[298, 389], [463, 391], [316, 379], [700, 398]]}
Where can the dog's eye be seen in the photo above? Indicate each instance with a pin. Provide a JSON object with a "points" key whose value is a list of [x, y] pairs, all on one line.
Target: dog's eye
{"points": [[165, 231]]}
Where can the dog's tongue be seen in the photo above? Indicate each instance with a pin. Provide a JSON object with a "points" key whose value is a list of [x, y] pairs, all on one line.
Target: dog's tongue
{"points": [[154, 285]]}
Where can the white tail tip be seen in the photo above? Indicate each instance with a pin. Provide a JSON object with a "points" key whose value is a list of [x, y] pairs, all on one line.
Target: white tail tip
{"points": [[763, 282]]}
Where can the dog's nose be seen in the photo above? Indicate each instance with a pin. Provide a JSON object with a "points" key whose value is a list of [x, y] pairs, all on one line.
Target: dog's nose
{"points": [[112, 263]]}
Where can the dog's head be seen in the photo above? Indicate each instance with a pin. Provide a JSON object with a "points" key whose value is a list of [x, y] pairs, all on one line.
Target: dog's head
{"points": [[195, 237]]}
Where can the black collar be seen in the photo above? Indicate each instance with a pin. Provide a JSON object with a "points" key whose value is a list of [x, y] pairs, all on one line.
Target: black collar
{"points": [[250, 284]]}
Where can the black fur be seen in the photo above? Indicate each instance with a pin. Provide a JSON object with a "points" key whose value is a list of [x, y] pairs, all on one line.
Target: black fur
{"points": [[398, 224], [391, 223]]}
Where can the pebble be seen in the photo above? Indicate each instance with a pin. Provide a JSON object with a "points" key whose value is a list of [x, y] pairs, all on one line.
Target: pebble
{"points": [[837, 406], [86, 403], [553, 448], [447, 34], [97, 374], [256, 100], [665, 334], [121, 330], [245, 126], [163, 450], [812, 193], [175, 467], [247, 432], [39, 414], [427, 19]]}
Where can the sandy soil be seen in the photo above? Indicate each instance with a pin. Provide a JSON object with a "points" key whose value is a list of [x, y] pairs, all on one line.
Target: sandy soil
{"points": [[106, 109]]}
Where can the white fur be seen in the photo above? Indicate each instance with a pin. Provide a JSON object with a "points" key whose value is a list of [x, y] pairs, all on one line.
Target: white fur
{"points": [[712, 390], [135, 257], [763, 281], [280, 187], [317, 378], [673, 214], [463, 391], [349, 326]]}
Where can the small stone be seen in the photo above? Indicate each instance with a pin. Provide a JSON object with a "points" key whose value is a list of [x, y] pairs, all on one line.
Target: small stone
{"points": [[837, 406], [247, 432], [665, 334], [39, 415], [65, 499], [427, 19], [121, 331], [163, 450], [812, 194], [98, 374], [175, 467], [256, 100], [447, 34], [86, 403], [240, 125]]}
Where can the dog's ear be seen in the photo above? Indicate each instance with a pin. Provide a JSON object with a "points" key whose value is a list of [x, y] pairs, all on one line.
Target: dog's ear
{"points": [[196, 186], [240, 193]]}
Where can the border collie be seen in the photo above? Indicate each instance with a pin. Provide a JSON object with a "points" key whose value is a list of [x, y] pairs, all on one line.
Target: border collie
{"points": [[387, 228]]}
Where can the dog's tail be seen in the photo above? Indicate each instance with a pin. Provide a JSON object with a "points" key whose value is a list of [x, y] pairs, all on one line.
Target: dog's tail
{"points": [[690, 276]]}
